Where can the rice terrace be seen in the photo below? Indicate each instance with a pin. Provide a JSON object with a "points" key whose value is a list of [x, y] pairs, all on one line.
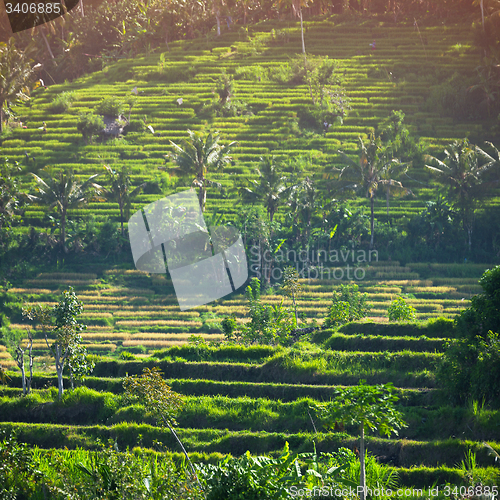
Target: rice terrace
{"points": [[341, 158]]}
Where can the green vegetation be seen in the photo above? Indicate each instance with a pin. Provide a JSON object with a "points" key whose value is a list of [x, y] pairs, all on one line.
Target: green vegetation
{"points": [[370, 407], [399, 310], [384, 87]]}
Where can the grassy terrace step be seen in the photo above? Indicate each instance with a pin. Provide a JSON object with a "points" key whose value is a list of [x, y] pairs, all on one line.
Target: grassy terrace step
{"points": [[200, 387], [85, 407], [405, 453], [403, 369], [371, 343]]}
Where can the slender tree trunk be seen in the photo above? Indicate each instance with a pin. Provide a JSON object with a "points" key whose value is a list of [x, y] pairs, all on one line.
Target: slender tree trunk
{"points": [[387, 200], [1, 117], [30, 353], [217, 17], [63, 230], [362, 471], [20, 363], [295, 308], [302, 33], [183, 449], [372, 221], [23, 378], [305, 56], [47, 43], [121, 216], [81, 8], [481, 4], [59, 370]]}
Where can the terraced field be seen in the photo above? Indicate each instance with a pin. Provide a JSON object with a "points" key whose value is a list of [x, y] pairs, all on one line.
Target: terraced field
{"points": [[397, 75], [137, 312], [254, 398]]}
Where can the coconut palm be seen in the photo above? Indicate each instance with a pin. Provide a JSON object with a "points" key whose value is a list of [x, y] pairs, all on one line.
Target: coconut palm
{"points": [[296, 6], [462, 170], [63, 192], [198, 155], [121, 191], [270, 187], [370, 172], [16, 70]]}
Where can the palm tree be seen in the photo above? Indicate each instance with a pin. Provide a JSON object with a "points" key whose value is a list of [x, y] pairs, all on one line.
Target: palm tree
{"points": [[297, 11], [371, 171], [15, 73], [120, 191], [199, 154], [63, 192], [462, 170], [9, 194], [270, 187]]}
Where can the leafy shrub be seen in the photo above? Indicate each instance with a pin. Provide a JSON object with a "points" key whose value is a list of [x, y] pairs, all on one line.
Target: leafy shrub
{"points": [[348, 304], [470, 366], [126, 355], [135, 126], [62, 102], [18, 472], [399, 310], [111, 106], [268, 325], [90, 125]]}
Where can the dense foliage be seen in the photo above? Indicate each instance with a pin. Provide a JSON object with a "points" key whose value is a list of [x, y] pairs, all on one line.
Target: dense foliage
{"points": [[471, 364]]}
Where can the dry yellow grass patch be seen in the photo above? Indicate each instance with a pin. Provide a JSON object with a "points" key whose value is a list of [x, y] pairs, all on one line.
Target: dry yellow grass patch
{"points": [[95, 315], [128, 291], [129, 272], [157, 344], [167, 322], [106, 336], [30, 290], [378, 319], [57, 282], [432, 289], [68, 276]]}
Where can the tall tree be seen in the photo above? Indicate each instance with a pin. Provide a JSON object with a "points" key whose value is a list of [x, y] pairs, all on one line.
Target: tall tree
{"points": [[9, 193], [463, 170], [269, 188], [60, 329], [370, 172], [158, 398], [18, 345], [198, 155], [369, 407], [63, 192], [16, 70], [121, 191]]}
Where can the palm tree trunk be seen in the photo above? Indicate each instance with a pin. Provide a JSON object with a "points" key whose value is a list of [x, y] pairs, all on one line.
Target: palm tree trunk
{"points": [[304, 52], [302, 33], [63, 230], [46, 43], [1, 117], [372, 221], [121, 216]]}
